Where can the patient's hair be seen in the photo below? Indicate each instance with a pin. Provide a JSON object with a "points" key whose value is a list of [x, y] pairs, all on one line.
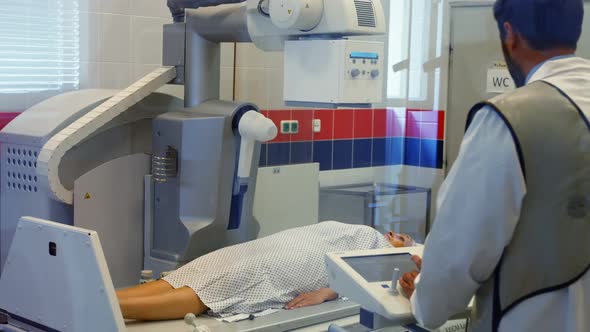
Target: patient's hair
{"points": [[545, 24]]}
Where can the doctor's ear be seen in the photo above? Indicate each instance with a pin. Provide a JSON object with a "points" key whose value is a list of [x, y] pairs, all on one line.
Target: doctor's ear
{"points": [[510, 37]]}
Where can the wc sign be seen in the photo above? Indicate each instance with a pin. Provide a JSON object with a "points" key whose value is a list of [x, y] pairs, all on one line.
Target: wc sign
{"points": [[499, 81]]}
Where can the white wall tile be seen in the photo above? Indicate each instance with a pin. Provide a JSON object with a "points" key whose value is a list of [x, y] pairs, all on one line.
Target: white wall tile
{"points": [[114, 75], [274, 88], [140, 71], [226, 89], [115, 7], [89, 76], [89, 36], [227, 54], [248, 56], [115, 34], [251, 86], [348, 176], [274, 60], [146, 38], [120, 41], [388, 174], [151, 8]]}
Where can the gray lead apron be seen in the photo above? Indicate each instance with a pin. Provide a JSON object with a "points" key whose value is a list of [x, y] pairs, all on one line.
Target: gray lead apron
{"points": [[550, 248]]}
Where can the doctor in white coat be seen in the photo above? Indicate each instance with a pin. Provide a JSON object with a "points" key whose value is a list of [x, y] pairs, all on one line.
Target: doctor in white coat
{"points": [[513, 223]]}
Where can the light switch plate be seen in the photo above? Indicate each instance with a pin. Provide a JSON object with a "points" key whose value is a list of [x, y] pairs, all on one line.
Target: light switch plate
{"points": [[317, 125]]}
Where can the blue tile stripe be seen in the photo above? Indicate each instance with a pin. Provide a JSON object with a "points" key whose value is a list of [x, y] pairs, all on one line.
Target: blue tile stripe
{"points": [[278, 154], [356, 153], [342, 157], [362, 153], [322, 154]]}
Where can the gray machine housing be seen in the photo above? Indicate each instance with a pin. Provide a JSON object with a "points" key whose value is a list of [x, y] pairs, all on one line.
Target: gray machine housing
{"points": [[192, 203], [190, 211], [186, 216], [22, 140]]}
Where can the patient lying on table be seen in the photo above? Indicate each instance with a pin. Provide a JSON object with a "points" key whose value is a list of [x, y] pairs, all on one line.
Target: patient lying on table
{"points": [[284, 270]]}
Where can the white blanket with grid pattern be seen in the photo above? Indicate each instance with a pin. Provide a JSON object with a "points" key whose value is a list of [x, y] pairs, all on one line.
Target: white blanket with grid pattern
{"points": [[270, 272]]}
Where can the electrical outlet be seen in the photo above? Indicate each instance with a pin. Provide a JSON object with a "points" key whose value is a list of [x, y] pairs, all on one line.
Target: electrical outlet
{"points": [[289, 127], [285, 127], [294, 127]]}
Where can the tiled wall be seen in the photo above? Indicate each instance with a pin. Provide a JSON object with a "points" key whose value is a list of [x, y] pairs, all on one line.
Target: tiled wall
{"points": [[258, 76], [349, 138], [120, 41], [358, 138]]}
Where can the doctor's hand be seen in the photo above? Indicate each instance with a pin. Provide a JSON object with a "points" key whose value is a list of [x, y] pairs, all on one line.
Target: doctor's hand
{"points": [[418, 261], [312, 298], [407, 281]]}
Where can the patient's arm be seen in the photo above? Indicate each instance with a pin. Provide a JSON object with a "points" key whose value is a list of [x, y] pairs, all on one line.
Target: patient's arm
{"points": [[313, 298], [147, 289], [158, 300], [172, 304]]}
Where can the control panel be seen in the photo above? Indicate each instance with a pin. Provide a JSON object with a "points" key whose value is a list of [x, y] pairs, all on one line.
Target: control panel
{"points": [[345, 72], [363, 66]]}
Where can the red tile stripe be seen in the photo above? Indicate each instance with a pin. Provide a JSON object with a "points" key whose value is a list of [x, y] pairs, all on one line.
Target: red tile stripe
{"points": [[343, 124], [277, 116], [363, 123], [6, 118]]}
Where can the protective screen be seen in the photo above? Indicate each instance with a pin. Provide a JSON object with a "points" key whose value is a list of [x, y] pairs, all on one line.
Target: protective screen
{"points": [[380, 268]]}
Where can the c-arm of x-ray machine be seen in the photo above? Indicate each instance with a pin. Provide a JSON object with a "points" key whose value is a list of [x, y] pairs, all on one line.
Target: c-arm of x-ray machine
{"points": [[322, 66]]}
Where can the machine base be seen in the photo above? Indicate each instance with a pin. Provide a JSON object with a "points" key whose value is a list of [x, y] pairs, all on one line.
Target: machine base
{"points": [[286, 320]]}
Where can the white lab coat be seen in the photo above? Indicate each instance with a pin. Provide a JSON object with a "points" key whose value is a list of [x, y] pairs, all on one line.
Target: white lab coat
{"points": [[478, 209]]}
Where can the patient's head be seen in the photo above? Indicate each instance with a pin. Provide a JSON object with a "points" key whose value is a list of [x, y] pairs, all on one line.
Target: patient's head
{"points": [[399, 240]]}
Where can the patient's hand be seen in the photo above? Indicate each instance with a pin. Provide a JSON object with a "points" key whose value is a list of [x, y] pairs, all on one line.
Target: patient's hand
{"points": [[408, 280], [313, 298]]}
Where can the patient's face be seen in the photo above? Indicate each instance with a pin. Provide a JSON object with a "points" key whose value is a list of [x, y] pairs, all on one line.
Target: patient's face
{"points": [[399, 240]]}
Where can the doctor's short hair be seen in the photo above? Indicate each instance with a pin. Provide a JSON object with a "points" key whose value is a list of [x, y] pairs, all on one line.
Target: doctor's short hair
{"points": [[545, 24]]}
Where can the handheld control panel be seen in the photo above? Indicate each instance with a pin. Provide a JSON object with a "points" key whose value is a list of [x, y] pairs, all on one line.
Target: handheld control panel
{"points": [[369, 278]]}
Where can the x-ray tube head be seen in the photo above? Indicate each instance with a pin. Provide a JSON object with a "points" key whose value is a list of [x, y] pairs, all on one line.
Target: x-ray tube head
{"points": [[254, 127]]}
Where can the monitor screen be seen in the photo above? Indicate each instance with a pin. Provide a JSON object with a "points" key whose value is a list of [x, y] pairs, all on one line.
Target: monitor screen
{"points": [[380, 268]]}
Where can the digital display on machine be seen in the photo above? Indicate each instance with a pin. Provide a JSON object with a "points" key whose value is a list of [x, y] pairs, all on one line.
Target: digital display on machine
{"points": [[380, 268], [364, 55]]}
